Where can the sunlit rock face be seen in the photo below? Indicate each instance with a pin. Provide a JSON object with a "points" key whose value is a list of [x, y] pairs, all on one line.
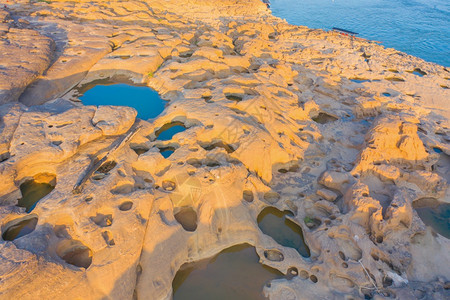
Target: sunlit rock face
{"points": [[346, 137]]}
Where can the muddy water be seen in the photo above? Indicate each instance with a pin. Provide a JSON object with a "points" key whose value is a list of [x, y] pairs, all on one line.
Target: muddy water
{"points": [[235, 273], [20, 229], [437, 217], [274, 223], [32, 192]]}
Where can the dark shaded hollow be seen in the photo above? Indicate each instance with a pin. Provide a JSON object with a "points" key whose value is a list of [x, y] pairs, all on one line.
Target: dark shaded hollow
{"points": [[272, 197], [194, 162], [293, 168], [291, 273], [234, 273], [247, 195], [212, 163], [187, 217], [323, 118], [19, 228], [219, 144], [233, 97], [419, 72], [273, 255], [398, 79], [35, 189], [140, 149], [186, 54], [207, 99], [106, 167], [169, 185], [125, 206], [312, 223], [75, 253], [102, 220], [4, 156], [285, 232]]}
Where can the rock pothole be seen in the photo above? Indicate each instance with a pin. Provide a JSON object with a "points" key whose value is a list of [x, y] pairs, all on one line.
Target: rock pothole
{"points": [[106, 167], [35, 189], [126, 206], [75, 253], [273, 255], [167, 131], [220, 144], [166, 152], [247, 195], [285, 232], [434, 214], [324, 118], [19, 227], [234, 273], [103, 220], [187, 217]]}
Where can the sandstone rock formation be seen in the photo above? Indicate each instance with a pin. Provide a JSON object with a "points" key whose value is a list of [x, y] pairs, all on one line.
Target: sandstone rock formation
{"points": [[347, 135]]}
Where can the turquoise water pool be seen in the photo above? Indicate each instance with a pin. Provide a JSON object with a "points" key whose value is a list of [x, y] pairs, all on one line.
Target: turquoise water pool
{"points": [[417, 27], [146, 101]]}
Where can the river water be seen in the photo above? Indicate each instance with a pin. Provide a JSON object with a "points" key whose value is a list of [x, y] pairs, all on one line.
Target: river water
{"points": [[417, 27]]}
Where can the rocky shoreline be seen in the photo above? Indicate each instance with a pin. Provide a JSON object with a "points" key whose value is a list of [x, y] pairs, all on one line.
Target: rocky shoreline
{"points": [[348, 136]]}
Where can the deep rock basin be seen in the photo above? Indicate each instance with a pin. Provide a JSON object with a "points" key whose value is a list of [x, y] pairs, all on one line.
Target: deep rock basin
{"points": [[146, 101], [436, 216], [235, 273], [35, 189], [19, 228], [167, 132], [274, 223]]}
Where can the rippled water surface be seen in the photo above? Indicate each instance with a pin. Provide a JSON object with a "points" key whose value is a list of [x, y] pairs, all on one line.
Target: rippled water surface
{"points": [[417, 27]]}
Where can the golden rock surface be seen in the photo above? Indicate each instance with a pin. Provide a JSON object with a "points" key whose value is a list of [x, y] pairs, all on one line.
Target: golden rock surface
{"points": [[332, 128]]}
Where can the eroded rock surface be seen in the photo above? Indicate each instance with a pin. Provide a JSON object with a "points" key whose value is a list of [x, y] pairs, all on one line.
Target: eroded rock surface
{"points": [[341, 133]]}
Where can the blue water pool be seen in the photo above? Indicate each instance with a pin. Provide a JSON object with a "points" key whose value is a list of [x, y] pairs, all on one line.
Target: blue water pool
{"points": [[167, 132], [146, 101], [417, 27]]}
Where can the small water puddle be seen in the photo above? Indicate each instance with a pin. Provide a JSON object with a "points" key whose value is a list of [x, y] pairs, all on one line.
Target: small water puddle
{"points": [[146, 101], [436, 216], [234, 273], [166, 132], [20, 228], [359, 80], [274, 223], [418, 72], [166, 151], [35, 189]]}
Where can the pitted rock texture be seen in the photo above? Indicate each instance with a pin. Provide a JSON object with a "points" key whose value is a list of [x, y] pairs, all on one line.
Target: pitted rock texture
{"points": [[338, 131]]}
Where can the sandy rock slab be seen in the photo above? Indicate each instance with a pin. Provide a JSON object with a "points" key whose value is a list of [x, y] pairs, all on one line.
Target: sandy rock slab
{"points": [[90, 237], [25, 53]]}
